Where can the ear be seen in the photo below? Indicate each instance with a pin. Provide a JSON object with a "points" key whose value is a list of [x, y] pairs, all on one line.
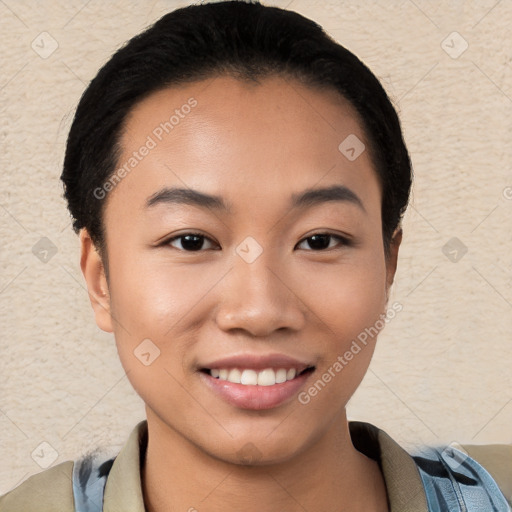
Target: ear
{"points": [[392, 258], [97, 285]]}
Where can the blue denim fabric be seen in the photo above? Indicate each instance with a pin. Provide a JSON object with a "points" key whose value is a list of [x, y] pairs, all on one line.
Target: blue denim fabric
{"points": [[89, 478], [454, 482]]}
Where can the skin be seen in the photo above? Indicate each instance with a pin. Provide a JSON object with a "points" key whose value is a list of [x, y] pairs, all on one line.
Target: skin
{"points": [[255, 145]]}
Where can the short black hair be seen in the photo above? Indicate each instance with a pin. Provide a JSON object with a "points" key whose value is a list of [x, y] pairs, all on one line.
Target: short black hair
{"points": [[244, 39]]}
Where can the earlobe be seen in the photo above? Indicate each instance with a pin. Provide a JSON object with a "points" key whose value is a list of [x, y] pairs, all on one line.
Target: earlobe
{"points": [[97, 286]]}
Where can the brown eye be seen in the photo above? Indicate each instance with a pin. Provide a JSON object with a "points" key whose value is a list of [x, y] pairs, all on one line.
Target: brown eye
{"points": [[322, 241], [190, 242]]}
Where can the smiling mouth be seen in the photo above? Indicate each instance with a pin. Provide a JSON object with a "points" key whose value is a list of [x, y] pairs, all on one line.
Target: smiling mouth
{"points": [[250, 377]]}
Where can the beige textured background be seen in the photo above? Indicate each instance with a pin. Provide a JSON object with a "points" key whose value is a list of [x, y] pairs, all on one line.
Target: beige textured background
{"points": [[442, 369]]}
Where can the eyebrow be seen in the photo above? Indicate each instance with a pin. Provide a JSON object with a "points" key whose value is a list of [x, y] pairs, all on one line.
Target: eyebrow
{"points": [[313, 196], [305, 199]]}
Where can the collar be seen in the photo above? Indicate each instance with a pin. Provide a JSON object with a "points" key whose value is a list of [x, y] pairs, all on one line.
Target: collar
{"points": [[401, 476], [123, 489]]}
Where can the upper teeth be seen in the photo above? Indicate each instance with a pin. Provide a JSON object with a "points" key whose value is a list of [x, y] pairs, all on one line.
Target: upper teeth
{"points": [[267, 377]]}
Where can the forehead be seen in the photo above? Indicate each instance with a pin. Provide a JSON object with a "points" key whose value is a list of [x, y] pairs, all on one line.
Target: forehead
{"points": [[274, 102], [240, 139]]}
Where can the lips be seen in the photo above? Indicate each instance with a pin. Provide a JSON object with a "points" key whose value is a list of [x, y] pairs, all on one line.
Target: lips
{"points": [[256, 381]]}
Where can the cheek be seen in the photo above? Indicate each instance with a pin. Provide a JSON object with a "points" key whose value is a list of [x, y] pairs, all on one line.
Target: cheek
{"points": [[348, 297], [150, 303], [153, 297], [350, 305], [162, 302]]}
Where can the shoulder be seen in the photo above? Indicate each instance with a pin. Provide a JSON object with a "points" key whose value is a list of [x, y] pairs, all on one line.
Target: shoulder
{"points": [[48, 491], [497, 460], [82, 484]]}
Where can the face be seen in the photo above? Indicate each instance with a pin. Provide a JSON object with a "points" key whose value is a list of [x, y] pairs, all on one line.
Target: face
{"points": [[259, 277]]}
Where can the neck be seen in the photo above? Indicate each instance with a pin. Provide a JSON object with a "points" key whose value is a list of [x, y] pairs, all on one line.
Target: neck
{"points": [[329, 475]]}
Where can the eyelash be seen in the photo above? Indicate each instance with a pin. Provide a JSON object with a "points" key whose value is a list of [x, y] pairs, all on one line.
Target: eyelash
{"points": [[343, 241]]}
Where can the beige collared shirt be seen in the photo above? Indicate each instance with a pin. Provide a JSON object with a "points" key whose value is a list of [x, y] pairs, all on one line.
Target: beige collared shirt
{"points": [[52, 491]]}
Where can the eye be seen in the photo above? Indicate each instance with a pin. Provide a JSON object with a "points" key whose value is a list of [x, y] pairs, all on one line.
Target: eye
{"points": [[194, 242], [190, 242], [322, 241]]}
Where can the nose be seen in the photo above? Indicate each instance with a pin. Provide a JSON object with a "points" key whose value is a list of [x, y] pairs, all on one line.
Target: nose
{"points": [[257, 299]]}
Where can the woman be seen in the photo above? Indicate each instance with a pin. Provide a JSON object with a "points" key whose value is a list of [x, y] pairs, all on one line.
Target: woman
{"points": [[237, 180]]}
